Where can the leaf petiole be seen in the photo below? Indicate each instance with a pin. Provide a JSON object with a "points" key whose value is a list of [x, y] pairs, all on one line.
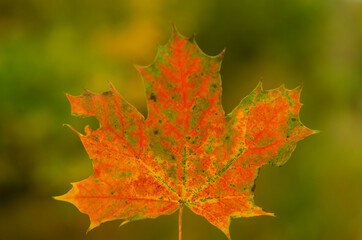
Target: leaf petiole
{"points": [[180, 223]]}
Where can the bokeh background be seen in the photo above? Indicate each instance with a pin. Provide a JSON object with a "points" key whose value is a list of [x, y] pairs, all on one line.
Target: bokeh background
{"points": [[49, 47]]}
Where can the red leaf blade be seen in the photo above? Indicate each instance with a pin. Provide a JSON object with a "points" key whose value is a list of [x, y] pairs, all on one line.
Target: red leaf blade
{"points": [[187, 152]]}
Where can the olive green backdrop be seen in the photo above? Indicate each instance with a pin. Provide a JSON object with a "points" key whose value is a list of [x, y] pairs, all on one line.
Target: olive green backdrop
{"points": [[49, 47]]}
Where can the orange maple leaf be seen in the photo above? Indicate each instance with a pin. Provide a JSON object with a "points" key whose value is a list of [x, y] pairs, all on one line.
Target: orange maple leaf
{"points": [[187, 153]]}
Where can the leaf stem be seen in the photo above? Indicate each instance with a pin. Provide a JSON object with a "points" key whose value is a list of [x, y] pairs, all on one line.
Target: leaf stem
{"points": [[180, 223]]}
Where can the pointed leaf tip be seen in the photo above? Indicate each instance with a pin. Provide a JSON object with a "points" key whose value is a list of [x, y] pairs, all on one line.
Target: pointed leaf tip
{"points": [[259, 87], [315, 131], [299, 88], [68, 96], [71, 128], [123, 223], [175, 31], [192, 38], [93, 225], [221, 55], [282, 87], [139, 68], [87, 92], [59, 198], [111, 87]]}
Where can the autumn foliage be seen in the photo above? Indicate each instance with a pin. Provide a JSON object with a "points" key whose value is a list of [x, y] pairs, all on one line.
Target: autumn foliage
{"points": [[187, 152]]}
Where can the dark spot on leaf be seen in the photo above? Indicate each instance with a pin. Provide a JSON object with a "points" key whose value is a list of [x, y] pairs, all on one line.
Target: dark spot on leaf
{"points": [[155, 132], [153, 97], [211, 180], [287, 136], [160, 121], [294, 119], [112, 192], [214, 85]]}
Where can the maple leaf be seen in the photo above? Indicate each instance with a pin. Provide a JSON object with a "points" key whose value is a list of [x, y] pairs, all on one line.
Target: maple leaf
{"points": [[187, 152]]}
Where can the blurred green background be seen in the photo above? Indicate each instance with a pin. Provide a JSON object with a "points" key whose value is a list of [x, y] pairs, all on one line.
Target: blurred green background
{"points": [[49, 47]]}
